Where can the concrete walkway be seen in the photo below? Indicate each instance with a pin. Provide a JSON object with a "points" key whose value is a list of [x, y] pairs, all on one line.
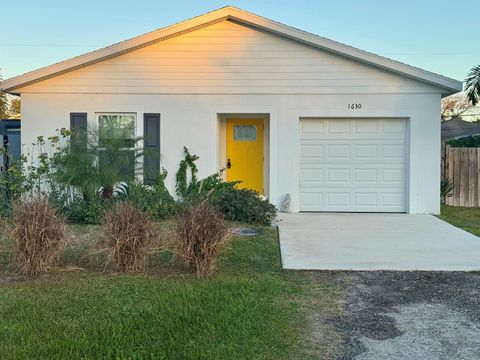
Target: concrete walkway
{"points": [[330, 241]]}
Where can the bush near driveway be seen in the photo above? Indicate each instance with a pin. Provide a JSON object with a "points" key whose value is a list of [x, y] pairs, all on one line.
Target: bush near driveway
{"points": [[243, 205]]}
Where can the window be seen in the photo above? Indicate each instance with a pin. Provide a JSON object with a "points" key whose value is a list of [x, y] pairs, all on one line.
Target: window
{"points": [[117, 127], [116, 135], [244, 132]]}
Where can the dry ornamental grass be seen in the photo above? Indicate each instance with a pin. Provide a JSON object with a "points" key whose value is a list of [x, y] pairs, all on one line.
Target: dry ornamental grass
{"points": [[201, 234], [39, 232], [128, 234]]}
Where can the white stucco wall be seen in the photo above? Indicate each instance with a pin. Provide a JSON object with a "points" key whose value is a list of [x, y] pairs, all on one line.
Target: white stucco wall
{"points": [[192, 120], [228, 68]]}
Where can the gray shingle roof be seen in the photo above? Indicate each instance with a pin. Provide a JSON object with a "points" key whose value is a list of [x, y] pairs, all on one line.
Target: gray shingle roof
{"points": [[456, 128]]}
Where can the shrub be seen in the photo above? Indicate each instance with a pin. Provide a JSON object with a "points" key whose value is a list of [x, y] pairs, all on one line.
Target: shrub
{"points": [[235, 204], [39, 233], [243, 205], [467, 141], [156, 200], [13, 182], [128, 234], [446, 190], [80, 211], [201, 233]]}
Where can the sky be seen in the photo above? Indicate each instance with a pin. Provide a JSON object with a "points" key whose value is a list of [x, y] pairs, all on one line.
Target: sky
{"points": [[435, 35]]}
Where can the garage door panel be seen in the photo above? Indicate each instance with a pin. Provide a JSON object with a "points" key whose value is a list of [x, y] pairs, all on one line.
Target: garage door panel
{"points": [[359, 200], [361, 165], [312, 200], [393, 199], [338, 199], [366, 126], [312, 126], [356, 176], [312, 151], [339, 175], [338, 151], [366, 175], [339, 128], [393, 151], [366, 151], [394, 126]]}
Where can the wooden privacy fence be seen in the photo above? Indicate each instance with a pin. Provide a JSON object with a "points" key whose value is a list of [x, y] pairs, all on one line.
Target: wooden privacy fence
{"points": [[462, 166]]}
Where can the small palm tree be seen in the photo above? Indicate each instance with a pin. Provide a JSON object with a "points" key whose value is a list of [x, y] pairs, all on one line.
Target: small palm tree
{"points": [[472, 85], [106, 157]]}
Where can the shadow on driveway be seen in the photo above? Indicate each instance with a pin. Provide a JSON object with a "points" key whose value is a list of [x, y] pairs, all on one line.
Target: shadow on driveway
{"points": [[408, 315]]}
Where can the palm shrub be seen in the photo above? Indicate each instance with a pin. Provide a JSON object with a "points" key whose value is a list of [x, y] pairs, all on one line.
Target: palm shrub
{"points": [[128, 235], [98, 160], [446, 190], [75, 165], [39, 232], [200, 235], [472, 85]]}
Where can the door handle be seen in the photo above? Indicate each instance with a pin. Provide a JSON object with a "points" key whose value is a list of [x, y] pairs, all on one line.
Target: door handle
{"points": [[229, 164]]}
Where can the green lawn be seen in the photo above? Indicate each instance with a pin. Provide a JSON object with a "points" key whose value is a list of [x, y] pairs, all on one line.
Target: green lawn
{"points": [[250, 309], [462, 217]]}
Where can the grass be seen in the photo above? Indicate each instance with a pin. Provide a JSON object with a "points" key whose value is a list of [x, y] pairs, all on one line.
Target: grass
{"points": [[466, 218], [250, 309]]}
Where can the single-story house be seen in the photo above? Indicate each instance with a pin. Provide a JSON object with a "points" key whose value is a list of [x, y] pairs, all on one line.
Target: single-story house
{"points": [[286, 111], [458, 128]]}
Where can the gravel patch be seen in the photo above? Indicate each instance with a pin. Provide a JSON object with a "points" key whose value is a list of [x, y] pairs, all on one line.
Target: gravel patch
{"points": [[428, 332], [408, 315]]}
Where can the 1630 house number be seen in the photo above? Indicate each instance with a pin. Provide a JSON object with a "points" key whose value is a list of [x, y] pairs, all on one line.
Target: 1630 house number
{"points": [[357, 106]]}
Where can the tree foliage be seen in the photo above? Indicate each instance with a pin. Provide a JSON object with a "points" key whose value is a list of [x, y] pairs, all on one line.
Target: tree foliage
{"points": [[14, 108], [472, 85], [100, 163], [3, 103], [9, 105], [454, 106]]}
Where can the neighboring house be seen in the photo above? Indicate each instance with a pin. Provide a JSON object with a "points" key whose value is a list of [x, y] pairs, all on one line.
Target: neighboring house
{"points": [[457, 128], [286, 111], [472, 114], [10, 140]]}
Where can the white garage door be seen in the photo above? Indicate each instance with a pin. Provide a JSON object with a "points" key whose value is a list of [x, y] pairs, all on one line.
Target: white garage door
{"points": [[353, 165]]}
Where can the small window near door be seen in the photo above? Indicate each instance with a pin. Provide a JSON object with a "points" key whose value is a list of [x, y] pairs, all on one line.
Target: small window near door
{"points": [[117, 129], [244, 132]]}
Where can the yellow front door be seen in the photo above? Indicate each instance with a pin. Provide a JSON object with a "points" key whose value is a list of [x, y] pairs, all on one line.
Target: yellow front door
{"points": [[245, 153]]}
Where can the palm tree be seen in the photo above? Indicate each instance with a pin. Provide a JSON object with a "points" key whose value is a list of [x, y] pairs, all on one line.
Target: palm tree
{"points": [[109, 156], [472, 85]]}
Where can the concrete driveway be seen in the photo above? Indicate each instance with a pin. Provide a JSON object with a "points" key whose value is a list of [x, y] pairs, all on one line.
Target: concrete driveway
{"points": [[331, 241]]}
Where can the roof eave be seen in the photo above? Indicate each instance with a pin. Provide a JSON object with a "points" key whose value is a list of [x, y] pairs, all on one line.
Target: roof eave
{"points": [[448, 85]]}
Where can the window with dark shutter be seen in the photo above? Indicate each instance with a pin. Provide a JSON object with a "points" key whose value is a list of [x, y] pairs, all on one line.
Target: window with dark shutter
{"points": [[78, 126], [151, 138]]}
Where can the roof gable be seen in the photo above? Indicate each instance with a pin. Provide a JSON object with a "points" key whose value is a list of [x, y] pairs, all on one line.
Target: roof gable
{"points": [[447, 85]]}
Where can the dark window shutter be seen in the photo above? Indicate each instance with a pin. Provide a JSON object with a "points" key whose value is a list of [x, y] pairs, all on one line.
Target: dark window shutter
{"points": [[151, 140], [78, 125]]}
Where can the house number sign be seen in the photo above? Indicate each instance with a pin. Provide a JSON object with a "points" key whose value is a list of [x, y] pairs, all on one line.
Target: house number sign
{"points": [[354, 106]]}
